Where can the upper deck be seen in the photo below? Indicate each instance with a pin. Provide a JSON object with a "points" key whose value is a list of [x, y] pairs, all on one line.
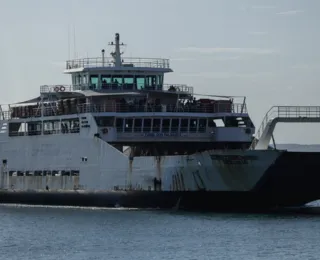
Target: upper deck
{"points": [[114, 88], [117, 62], [108, 63], [121, 85]]}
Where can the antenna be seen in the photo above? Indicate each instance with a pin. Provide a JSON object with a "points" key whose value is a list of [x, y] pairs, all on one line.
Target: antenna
{"points": [[116, 54], [74, 42], [68, 41]]}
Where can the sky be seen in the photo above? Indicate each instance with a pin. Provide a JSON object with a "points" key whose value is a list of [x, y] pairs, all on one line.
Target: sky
{"points": [[265, 50]]}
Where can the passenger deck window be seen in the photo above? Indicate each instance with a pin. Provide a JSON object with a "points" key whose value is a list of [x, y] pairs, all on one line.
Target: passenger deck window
{"points": [[156, 125], [165, 125], [174, 125], [128, 125], [202, 125], [193, 125], [147, 125], [137, 125], [184, 125], [119, 124]]}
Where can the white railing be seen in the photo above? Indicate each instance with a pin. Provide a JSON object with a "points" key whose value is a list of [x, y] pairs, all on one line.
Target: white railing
{"points": [[55, 88], [127, 62], [285, 112], [181, 108], [5, 113], [177, 88]]}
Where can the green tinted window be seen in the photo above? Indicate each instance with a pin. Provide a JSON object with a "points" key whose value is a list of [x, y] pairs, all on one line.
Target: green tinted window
{"points": [[140, 82]]}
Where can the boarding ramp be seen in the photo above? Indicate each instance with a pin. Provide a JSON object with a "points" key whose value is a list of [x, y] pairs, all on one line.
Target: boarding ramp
{"points": [[283, 114]]}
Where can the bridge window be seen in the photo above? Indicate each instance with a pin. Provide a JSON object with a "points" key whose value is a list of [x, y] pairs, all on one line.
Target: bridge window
{"points": [[139, 81], [94, 81], [128, 81], [117, 80], [159, 80], [184, 125], [84, 79], [151, 82], [105, 81], [77, 79], [137, 125]]}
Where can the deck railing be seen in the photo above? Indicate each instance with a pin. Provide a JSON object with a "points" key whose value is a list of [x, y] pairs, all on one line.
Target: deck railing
{"points": [[55, 109], [174, 88], [181, 108], [99, 62], [286, 112]]}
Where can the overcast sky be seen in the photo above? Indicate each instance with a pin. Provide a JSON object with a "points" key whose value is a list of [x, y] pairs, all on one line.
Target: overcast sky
{"points": [[265, 50]]}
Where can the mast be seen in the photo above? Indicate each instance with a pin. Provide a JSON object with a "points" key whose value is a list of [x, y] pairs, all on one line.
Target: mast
{"points": [[116, 54]]}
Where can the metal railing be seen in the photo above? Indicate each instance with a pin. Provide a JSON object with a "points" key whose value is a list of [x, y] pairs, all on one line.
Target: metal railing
{"points": [[5, 112], [127, 62], [56, 109], [181, 108], [56, 88], [105, 87], [285, 112]]}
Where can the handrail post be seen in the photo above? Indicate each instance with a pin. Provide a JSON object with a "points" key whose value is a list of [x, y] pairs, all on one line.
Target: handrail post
{"points": [[244, 102]]}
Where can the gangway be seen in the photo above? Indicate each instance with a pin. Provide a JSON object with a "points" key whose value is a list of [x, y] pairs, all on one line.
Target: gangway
{"points": [[283, 114]]}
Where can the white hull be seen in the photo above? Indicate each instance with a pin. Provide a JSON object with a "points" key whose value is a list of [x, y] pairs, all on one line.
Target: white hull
{"points": [[103, 167]]}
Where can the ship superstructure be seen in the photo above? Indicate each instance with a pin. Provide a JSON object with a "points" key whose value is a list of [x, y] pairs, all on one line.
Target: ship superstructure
{"points": [[133, 107], [125, 104]]}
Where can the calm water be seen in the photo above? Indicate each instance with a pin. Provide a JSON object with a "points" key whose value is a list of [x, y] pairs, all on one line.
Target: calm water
{"points": [[28, 232]]}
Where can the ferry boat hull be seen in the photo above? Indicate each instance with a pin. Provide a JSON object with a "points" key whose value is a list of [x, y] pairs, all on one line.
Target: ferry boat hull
{"points": [[291, 181]]}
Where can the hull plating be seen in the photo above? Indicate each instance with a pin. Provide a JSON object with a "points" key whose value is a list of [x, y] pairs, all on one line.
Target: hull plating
{"points": [[83, 171], [35, 163], [289, 181]]}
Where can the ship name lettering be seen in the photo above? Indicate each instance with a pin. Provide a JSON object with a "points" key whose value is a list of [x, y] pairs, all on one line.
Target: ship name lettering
{"points": [[162, 134]]}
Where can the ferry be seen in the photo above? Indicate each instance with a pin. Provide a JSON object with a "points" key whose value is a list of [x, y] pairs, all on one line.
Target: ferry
{"points": [[119, 136]]}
